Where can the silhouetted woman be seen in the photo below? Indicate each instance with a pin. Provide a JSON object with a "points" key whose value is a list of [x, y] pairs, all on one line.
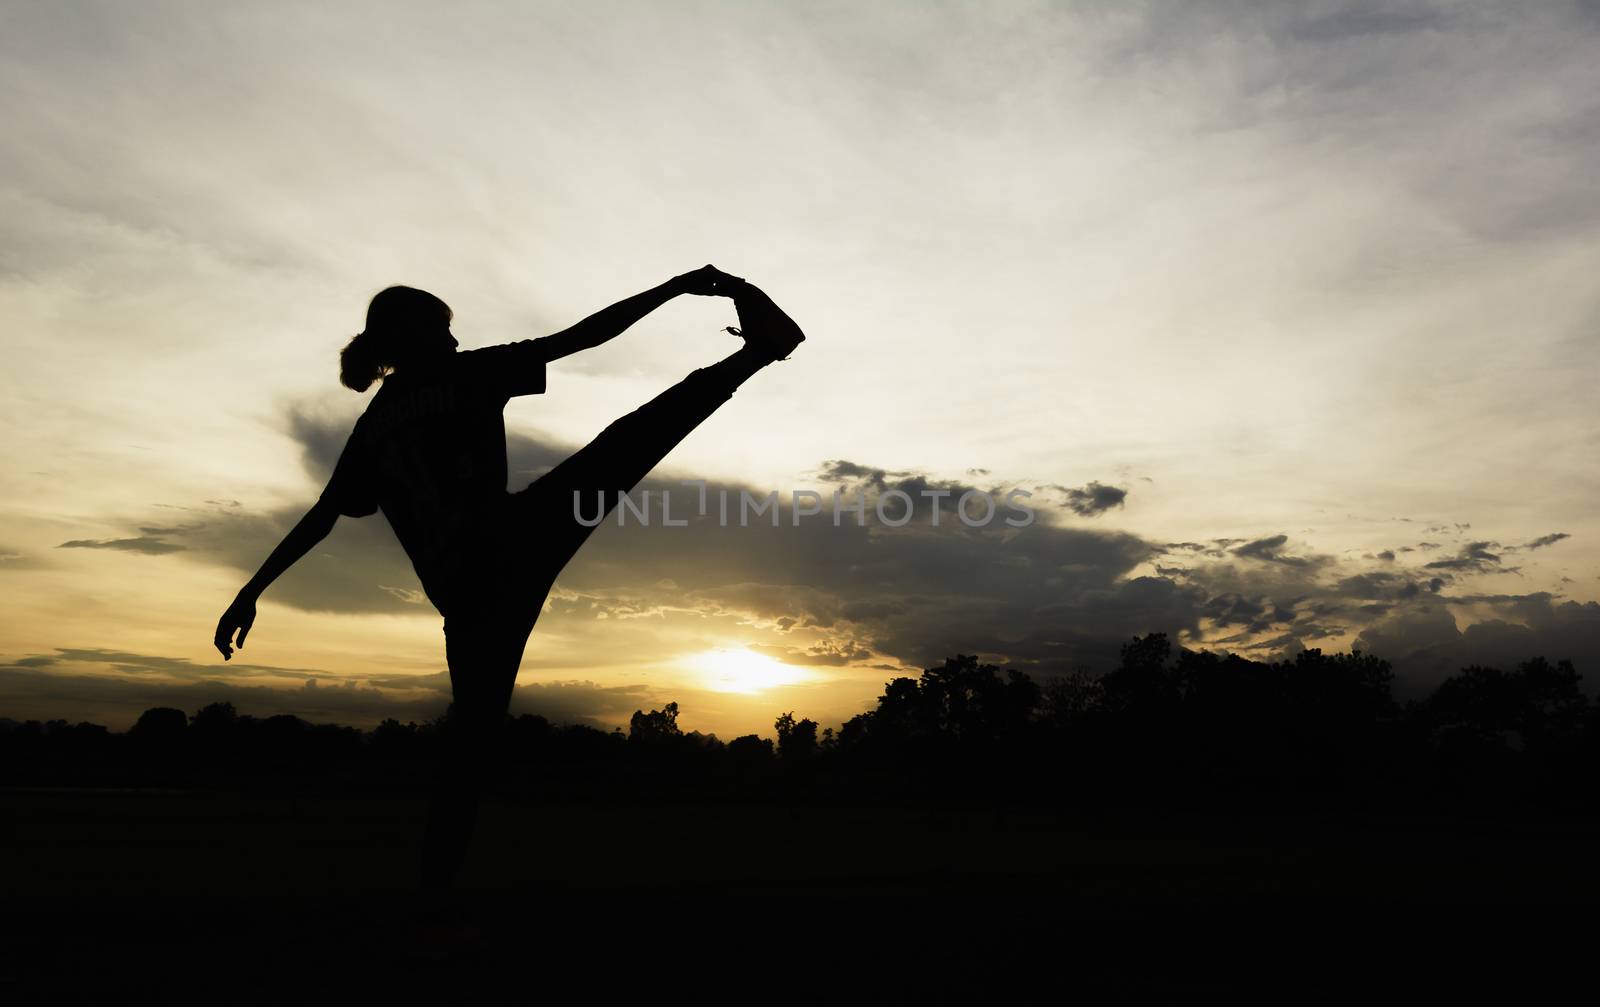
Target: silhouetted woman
{"points": [[430, 452]]}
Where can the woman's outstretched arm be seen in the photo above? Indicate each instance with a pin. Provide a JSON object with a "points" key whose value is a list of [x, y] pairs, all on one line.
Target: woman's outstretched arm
{"points": [[612, 321], [239, 617]]}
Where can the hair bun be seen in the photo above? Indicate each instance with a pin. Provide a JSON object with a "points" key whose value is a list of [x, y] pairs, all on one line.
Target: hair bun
{"points": [[357, 367]]}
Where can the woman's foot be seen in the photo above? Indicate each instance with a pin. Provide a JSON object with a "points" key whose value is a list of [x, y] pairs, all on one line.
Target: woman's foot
{"points": [[762, 324]]}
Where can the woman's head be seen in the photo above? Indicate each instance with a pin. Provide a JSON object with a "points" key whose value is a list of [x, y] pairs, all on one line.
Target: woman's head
{"points": [[403, 324]]}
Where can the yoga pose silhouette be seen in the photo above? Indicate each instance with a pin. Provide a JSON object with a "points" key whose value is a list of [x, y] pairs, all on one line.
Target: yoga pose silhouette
{"points": [[430, 452]]}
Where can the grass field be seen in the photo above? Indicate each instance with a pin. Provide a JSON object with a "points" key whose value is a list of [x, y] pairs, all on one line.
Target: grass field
{"points": [[108, 889]]}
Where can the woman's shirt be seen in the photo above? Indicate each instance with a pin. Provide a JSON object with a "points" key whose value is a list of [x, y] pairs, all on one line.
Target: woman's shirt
{"points": [[430, 452]]}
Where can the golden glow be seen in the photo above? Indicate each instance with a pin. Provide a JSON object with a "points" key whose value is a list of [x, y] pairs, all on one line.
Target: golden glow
{"points": [[739, 669]]}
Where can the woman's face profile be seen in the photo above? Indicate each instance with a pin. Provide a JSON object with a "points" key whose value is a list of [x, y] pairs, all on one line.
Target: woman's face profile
{"points": [[435, 340]]}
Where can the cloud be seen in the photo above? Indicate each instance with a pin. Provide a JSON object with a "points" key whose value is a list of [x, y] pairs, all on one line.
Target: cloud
{"points": [[1546, 540], [359, 567], [114, 687], [828, 653], [116, 699], [841, 470], [1427, 643], [1474, 557], [1384, 585], [1270, 550], [926, 492], [150, 545], [1091, 500], [1256, 615]]}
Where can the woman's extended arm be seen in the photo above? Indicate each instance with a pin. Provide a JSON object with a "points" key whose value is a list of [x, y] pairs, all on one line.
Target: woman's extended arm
{"points": [[612, 321], [311, 529]]}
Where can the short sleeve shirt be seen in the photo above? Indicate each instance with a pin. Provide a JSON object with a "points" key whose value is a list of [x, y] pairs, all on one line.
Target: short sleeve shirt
{"points": [[430, 452]]}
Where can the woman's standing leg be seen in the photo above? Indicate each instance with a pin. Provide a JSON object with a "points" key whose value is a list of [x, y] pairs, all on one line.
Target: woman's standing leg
{"points": [[483, 651]]}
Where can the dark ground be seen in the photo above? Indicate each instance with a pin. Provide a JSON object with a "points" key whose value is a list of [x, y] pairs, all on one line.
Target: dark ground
{"points": [[250, 896]]}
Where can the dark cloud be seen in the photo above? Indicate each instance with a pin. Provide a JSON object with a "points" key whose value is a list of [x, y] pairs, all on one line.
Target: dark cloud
{"points": [[925, 492], [1544, 540], [841, 470], [149, 544], [1426, 643], [1256, 615], [1270, 550], [1474, 557], [1091, 500], [1384, 585]]}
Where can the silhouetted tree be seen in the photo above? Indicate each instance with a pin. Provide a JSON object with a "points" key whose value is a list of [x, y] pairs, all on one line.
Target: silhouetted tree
{"points": [[796, 739], [1143, 680], [655, 726], [751, 748], [1071, 697], [1511, 736], [215, 717], [161, 722]]}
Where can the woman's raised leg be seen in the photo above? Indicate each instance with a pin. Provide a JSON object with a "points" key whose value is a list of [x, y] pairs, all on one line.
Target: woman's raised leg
{"points": [[594, 478]]}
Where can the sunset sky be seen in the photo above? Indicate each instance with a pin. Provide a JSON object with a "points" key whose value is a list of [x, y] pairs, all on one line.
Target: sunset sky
{"points": [[1286, 315]]}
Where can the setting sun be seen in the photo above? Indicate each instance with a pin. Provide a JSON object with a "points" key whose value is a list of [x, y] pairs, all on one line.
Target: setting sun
{"points": [[740, 669]]}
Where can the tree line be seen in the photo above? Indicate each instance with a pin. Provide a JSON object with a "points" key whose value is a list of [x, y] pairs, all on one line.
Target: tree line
{"points": [[1168, 727]]}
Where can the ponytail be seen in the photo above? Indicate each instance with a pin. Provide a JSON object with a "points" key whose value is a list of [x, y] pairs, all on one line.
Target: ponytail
{"points": [[396, 319], [359, 366]]}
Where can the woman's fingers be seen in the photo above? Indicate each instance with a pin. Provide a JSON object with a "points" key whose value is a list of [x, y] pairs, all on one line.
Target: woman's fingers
{"points": [[710, 280], [232, 621]]}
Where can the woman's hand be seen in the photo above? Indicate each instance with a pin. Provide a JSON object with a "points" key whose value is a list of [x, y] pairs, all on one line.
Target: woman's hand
{"points": [[240, 616], [709, 281]]}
